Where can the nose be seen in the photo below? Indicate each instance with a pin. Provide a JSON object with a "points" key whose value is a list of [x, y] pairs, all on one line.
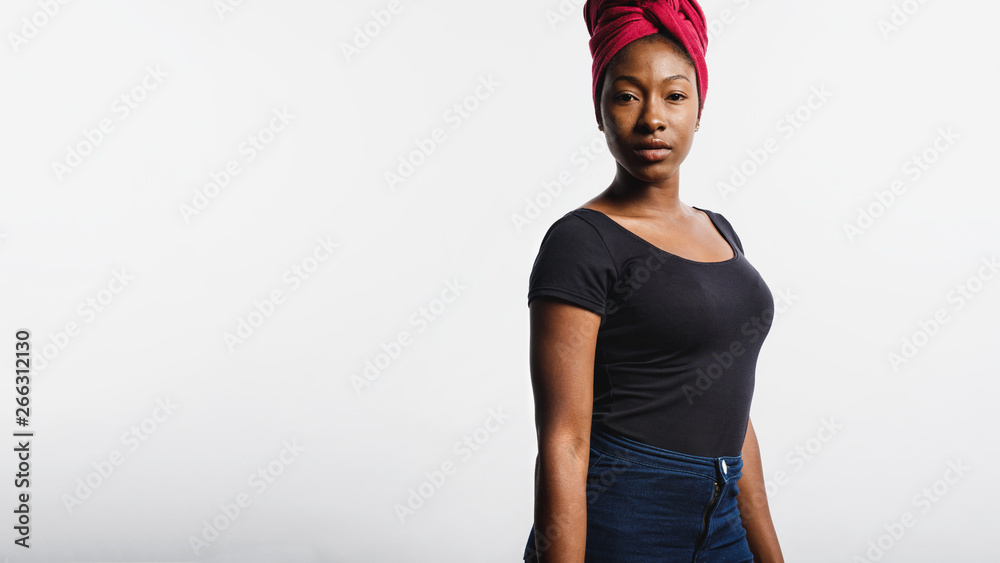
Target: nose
{"points": [[652, 117]]}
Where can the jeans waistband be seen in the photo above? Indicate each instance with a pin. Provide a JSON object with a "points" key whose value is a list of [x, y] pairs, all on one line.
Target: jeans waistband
{"points": [[612, 443]]}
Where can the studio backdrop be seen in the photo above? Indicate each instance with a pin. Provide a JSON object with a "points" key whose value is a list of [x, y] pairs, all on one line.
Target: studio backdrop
{"points": [[263, 270]]}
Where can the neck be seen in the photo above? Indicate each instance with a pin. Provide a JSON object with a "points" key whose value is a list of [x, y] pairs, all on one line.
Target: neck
{"points": [[646, 198]]}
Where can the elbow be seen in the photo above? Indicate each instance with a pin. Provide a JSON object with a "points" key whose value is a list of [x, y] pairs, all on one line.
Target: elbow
{"points": [[564, 443]]}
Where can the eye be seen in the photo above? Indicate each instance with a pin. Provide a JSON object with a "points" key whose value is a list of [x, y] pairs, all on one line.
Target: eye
{"points": [[682, 96], [622, 97]]}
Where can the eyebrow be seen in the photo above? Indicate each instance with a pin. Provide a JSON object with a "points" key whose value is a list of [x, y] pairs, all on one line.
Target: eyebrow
{"points": [[638, 82]]}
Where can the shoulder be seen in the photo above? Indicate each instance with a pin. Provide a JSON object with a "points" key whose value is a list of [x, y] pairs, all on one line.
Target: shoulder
{"points": [[719, 217], [576, 237], [573, 264], [578, 219], [724, 225], [576, 227]]}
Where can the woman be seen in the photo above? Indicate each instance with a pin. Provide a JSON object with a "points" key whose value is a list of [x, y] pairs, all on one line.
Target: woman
{"points": [[646, 322]]}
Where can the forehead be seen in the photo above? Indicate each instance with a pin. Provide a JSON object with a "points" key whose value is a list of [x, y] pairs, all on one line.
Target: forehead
{"points": [[650, 56]]}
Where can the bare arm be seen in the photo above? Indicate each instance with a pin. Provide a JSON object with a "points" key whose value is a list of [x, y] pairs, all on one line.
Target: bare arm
{"points": [[562, 346], [752, 501]]}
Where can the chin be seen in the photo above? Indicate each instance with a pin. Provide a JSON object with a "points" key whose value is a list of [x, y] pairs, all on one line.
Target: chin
{"points": [[652, 172]]}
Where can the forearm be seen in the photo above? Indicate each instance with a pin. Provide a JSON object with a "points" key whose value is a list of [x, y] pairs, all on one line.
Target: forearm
{"points": [[561, 504], [754, 510]]}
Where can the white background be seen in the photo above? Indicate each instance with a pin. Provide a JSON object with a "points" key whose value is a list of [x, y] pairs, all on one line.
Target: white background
{"points": [[365, 452]]}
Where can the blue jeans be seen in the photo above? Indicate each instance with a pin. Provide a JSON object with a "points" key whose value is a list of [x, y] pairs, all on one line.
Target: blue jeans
{"points": [[647, 504]]}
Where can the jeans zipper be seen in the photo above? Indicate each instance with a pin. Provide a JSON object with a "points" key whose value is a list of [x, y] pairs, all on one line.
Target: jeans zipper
{"points": [[704, 517]]}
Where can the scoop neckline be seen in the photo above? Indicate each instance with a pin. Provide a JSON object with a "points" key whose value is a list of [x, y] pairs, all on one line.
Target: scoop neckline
{"points": [[732, 246]]}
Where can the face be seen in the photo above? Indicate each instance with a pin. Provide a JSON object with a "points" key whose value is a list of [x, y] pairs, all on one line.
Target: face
{"points": [[649, 93]]}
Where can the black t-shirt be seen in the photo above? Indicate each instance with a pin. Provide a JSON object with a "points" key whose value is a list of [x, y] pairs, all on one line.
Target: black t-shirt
{"points": [[678, 340]]}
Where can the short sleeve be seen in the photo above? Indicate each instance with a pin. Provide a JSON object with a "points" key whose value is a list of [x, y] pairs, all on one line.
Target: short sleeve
{"points": [[573, 264]]}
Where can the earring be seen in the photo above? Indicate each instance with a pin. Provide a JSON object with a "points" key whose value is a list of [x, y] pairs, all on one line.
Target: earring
{"points": [[697, 126]]}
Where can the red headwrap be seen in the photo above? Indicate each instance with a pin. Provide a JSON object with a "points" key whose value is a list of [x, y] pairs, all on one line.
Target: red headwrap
{"points": [[615, 23]]}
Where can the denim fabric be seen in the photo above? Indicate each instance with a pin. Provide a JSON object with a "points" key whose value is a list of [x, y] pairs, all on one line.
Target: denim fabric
{"points": [[647, 504]]}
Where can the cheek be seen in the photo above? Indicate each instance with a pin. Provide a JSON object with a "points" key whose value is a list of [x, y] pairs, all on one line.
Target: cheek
{"points": [[615, 130], [617, 148], [610, 135]]}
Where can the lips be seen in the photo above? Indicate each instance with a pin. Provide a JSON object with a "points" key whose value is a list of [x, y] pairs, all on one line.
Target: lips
{"points": [[652, 144], [652, 149]]}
